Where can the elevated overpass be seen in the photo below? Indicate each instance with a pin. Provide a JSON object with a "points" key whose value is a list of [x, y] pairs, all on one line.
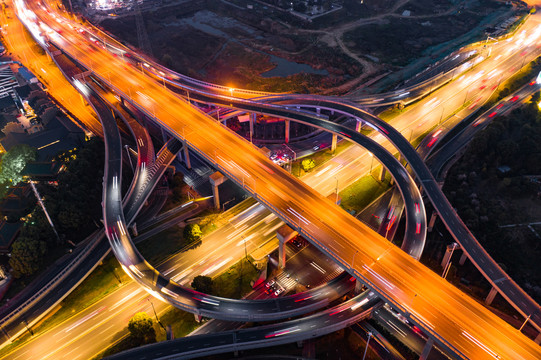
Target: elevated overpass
{"points": [[465, 328]]}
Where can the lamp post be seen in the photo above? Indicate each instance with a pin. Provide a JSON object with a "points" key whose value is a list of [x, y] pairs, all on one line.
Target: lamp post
{"points": [[367, 342], [155, 314], [353, 260], [336, 201]]}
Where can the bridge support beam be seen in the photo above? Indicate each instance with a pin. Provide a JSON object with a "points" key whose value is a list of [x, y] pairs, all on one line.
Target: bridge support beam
{"points": [[359, 125], [216, 179], [286, 122], [426, 349], [491, 295], [358, 287], [335, 198], [432, 221], [382, 173], [448, 254], [253, 120], [333, 143], [187, 157], [463, 259], [133, 228], [284, 234]]}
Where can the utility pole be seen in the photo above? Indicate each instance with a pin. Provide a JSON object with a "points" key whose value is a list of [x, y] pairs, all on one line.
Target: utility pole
{"points": [[142, 35]]}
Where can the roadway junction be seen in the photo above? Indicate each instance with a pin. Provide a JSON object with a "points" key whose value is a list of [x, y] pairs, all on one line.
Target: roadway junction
{"points": [[455, 321]]}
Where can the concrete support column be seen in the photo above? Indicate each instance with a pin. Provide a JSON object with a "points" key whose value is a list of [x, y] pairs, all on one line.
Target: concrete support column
{"points": [[538, 339], [284, 234], [334, 141], [133, 228], [335, 198], [358, 287], [187, 157], [382, 173], [215, 180], [491, 295], [198, 318], [359, 125], [463, 259], [432, 220], [253, 120], [426, 349], [287, 132], [318, 111], [164, 135]]}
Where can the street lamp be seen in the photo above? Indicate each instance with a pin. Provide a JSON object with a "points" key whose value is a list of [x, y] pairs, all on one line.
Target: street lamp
{"points": [[367, 342], [155, 314], [352, 260], [336, 201], [371, 161]]}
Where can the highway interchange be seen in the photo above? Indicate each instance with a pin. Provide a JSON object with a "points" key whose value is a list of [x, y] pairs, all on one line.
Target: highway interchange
{"points": [[225, 159]]}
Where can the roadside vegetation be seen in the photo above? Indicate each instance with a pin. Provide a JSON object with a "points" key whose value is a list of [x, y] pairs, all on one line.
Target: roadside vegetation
{"points": [[497, 182]]}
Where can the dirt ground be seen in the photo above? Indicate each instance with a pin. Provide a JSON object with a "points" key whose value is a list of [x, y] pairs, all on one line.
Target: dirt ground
{"points": [[234, 45]]}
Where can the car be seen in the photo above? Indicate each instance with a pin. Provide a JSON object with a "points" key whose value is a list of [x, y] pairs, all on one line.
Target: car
{"points": [[279, 291], [273, 156], [288, 276], [270, 283]]}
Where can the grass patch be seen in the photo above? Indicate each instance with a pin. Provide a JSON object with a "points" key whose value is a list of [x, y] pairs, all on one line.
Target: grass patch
{"points": [[362, 192], [234, 283], [158, 247], [104, 280], [319, 157]]}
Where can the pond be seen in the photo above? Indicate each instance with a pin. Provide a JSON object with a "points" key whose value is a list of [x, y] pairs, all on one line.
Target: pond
{"points": [[285, 68]]}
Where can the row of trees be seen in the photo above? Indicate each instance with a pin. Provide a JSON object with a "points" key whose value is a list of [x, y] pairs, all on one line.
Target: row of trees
{"points": [[488, 187], [73, 204]]}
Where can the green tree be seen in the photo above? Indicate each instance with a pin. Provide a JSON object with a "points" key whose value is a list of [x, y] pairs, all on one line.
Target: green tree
{"points": [[202, 284], [167, 60], [192, 233], [14, 161], [141, 329], [308, 164], [26, 255]]}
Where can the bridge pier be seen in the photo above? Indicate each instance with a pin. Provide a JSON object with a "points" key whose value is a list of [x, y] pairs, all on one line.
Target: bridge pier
{"points": [[318, 111], [333, 143], [286, 122], [358, 287], [538, 339], [382, 173], [253, 120], [335, 198], [426, 349], [491, 295], [164, 135], [448, 254], [463, 259], [133, 228], [198, 318], [215, 180], [359, 125], [284, 234], [432, 220], [187, 157]]}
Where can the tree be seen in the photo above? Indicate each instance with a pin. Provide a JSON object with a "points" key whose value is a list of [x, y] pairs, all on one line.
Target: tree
{"points": [[141, 329], [26, 255], [308, 164], [14, 161], [202, 284], [192, 233]]}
